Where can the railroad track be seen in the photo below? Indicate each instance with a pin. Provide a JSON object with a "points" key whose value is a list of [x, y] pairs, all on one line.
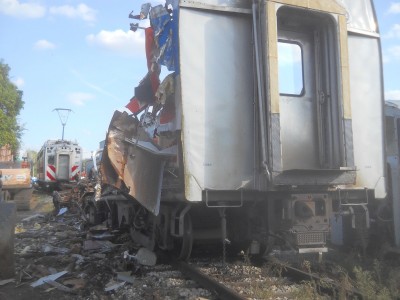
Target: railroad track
{"points": [[226, 286], [206, 281]]}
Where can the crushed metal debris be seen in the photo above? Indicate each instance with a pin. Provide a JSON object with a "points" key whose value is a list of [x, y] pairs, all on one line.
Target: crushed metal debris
{"points": [[89, 257], [48, 278]]}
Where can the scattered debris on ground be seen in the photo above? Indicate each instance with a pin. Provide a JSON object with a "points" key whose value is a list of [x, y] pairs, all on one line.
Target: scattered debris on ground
{"points": [[59, 256]]}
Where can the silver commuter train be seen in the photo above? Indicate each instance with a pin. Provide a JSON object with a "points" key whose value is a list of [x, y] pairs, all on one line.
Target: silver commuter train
{"points": [[58, 161], [274, 105]]}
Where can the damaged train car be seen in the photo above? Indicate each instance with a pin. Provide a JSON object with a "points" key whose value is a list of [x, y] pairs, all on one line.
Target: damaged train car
{"points": [[261, 134]]}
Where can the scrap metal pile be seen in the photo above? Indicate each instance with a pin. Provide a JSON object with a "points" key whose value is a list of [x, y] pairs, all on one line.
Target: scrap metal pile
{"points": [[72, 196]]}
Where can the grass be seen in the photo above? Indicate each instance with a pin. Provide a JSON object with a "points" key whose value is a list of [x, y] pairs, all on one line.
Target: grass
{"points": [[376, 280], [379, 283]]}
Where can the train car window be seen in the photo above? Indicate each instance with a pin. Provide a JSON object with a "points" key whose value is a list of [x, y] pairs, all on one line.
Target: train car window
{"points": [[290, 63], [50, 160]]}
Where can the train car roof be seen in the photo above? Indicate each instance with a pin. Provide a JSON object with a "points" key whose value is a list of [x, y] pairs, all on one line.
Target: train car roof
{"points": [[59, 142]]}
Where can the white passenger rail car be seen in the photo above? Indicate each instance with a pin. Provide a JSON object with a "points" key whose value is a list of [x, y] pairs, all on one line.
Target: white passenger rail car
{"points": [[268, 132], [58, 161]]}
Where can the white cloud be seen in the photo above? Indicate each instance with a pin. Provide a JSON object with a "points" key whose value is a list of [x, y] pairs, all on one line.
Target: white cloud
{"points": [[394, 32], [22, 10], [19, 82], [44, 45], [94, 87], [392, 95], [79, 98], [394, 8], [123, 42], [81, 11]]}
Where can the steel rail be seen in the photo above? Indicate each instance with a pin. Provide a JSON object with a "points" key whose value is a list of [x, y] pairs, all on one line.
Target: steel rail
{"points": [[207, 282]]}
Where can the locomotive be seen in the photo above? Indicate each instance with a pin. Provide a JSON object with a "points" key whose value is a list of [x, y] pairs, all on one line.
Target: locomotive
{"points": [[58, 161], [260, 135]]}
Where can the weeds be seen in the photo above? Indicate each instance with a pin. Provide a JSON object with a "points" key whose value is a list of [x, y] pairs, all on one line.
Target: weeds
{"points": [[306, 291], [345, 285], [393, 283], [262, 290], [246, 257], [374, 280], [368, 285]]}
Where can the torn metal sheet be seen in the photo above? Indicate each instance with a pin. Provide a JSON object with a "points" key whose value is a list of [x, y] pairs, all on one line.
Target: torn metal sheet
{"points": [[101, 236], [166, 35], [62, 211], [6, 281], [26, 250], [35, 216], [125, 276], [111, 286], [150, 147], [47, 278], [132, 163], [51, 249]]}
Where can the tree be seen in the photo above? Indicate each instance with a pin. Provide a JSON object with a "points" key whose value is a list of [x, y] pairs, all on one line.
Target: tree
{"points": [[10, 106], [31, 155]]}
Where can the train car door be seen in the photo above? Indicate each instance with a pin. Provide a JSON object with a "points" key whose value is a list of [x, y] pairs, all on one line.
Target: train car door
{"points": [[63, 167], [297, 94], [308, 91]]}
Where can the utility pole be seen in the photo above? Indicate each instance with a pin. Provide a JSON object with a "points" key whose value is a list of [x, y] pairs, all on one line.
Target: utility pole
{"points": [[63, 114]]}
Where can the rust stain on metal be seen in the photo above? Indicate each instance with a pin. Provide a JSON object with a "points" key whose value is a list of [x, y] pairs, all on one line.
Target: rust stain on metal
{"points": [[131, 168]]}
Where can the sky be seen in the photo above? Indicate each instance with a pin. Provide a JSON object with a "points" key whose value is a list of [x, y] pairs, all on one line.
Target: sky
{"points": [[81, 55]]}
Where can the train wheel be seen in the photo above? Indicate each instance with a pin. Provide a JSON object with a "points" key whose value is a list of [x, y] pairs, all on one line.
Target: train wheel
{"points": [[183, 245]]}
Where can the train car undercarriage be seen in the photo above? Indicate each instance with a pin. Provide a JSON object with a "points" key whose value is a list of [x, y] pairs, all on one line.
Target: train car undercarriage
{"points": [[299, 222]]}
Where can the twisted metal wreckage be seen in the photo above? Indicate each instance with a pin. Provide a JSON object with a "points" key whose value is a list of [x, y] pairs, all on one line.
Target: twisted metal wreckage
{"points": [[134, 158], [137, 146]]}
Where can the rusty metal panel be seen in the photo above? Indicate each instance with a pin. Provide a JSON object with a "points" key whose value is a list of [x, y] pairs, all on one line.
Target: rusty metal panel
{"points": [[16, 178], [132, 163]]}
